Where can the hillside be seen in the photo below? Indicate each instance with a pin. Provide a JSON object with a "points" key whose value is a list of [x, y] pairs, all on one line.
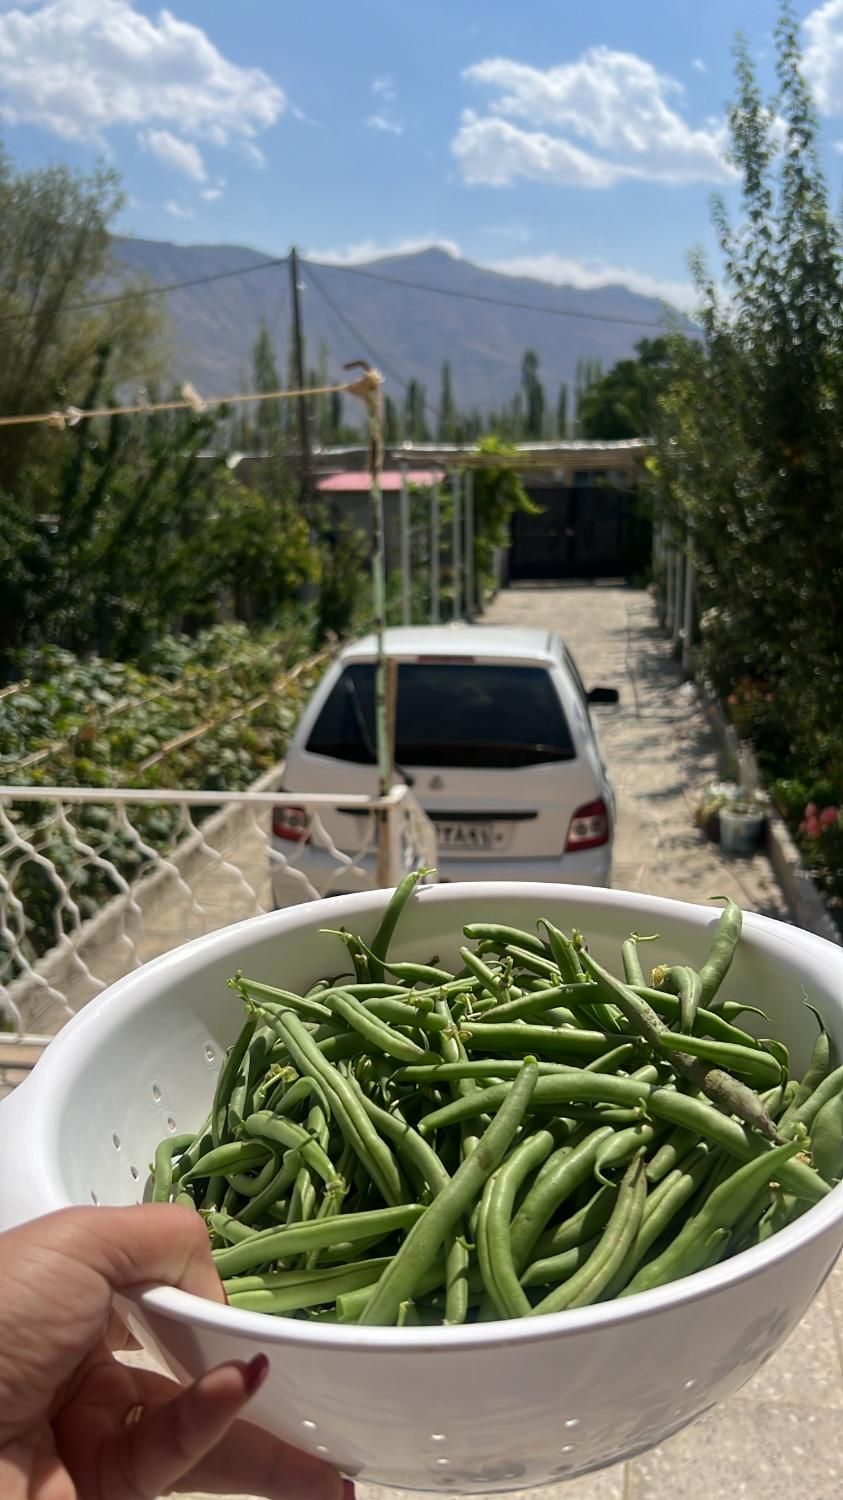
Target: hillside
{"points": [[410, 331]]}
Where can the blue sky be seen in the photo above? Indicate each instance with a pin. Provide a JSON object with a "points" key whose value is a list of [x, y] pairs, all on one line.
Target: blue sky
{"points": [[578, 142]]}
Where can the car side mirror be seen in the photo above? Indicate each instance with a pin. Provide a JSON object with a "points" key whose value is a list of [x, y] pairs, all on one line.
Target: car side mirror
{"points": [[603, 695]]}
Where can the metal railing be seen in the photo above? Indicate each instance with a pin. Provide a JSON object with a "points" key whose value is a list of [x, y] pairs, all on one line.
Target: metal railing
{"points": [[93, 882]]}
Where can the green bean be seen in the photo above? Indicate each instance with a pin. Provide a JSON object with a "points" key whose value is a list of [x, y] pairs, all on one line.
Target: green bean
{"points": [[291, 1240], [807, 1112], [719, 961], [524, 958], [711, 1023], [816, 1071], [623, 1145], [685, 982], [389, 921], [502, 937], [345, 1108], [303, 1288], [248, 1186], [377, 1034], [723, 1090], [499, 1274], [227, 1079], [664, 1203], [611, 1250], [400, 1013], [420, 1248], [568, 1168], [827, 1139], [585, 1224], [633, 972], [555, 1269], [162, 1170], [701, 1238], [266, 1127], [253, 989], [669, 1155], [449, 1072], [753, 1062], [612, 1060], [517, 1037], [420, 973], [234, 1156], [488, 979]]}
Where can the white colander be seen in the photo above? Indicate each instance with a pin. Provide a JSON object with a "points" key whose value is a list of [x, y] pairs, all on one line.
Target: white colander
{"points": [[495, 1406]]}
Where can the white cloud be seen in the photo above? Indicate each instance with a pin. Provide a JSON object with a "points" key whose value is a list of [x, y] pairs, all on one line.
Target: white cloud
{"points": [[182, 156], [823, 56], [211, 194], [561, 270], [558, 270], [384, 88], [615, 103], [364, 250], [385, 122], [697, 62], [253, 154], [79, 68], [178, 210], [384, 117]]}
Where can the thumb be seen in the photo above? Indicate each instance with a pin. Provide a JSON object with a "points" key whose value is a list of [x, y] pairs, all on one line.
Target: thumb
{"points": [[172, 1437]]}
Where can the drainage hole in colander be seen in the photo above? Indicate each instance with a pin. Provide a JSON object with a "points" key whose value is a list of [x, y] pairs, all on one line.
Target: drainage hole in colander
{"points": [[115, 1141], [438, 1437], [311, 1426], [321, 1448], [156, 1093], [135, 1173], [443, 1462], [94, 1198], [171, 1124], [210, 1054]]}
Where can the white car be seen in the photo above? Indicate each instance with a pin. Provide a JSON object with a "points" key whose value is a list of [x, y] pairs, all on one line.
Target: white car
{"points": [[495, 736]]}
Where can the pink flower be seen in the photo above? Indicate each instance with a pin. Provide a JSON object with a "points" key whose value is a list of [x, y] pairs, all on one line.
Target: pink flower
{"points": [[811, 810], [829, 816], [812, 828]]}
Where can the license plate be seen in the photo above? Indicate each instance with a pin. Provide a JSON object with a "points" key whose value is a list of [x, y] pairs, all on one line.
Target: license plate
{"points": [[465, 835]]}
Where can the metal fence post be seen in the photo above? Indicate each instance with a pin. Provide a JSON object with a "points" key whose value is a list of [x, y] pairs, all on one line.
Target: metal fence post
{"points": [[688, 622], [470, 601], [678, 598], [434, 555], [406, 578], [670, 585], [456, 549]]}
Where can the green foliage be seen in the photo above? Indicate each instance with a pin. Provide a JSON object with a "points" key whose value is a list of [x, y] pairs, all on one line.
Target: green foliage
{"points": [[498, 494], [533, 393], [749, 460], [623, 403]]}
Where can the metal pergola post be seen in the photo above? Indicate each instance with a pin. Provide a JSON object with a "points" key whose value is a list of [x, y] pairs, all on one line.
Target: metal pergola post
{"points": [[406, 578], [470, 601], [688, 621], [434, 555], [456, 544]]}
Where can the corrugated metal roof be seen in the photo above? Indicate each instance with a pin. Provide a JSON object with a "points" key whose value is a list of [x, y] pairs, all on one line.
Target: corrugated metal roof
{"points": [[355, 482]]}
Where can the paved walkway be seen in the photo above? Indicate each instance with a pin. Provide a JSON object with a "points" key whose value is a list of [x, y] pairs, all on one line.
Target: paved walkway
{"points": [[780, 1436]]}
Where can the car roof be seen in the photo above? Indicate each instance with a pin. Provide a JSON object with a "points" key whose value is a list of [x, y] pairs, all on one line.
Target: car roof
{"points": [[457, 640]]}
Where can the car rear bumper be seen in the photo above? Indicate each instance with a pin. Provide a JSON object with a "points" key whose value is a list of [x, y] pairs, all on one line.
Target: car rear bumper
{"points": [[588, 867]]}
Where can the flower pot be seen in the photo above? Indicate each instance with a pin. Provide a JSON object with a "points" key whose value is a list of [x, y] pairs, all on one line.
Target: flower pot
{"points": [[740, 832]]}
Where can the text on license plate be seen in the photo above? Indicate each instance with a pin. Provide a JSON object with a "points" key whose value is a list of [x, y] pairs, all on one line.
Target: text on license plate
{"points": [[465, 835]]}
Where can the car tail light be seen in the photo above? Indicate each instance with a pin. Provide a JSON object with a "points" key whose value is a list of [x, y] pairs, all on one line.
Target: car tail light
{"points": [[289, 822], [589, 827]]}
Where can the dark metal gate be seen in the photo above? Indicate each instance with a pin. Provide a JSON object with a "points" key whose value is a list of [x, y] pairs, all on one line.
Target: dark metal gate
{"points": [[580, 532]]}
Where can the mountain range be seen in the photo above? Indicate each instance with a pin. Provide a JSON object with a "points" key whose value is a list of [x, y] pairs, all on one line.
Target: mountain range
{"points": [[406, 313]]}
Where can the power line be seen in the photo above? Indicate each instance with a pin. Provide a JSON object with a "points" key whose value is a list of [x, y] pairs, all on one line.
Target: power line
{"points": [[356, 334], [152, 291], [444, 291]]}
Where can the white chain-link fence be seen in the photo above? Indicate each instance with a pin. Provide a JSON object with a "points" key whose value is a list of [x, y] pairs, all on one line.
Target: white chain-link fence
{"points": [[94, 883]]}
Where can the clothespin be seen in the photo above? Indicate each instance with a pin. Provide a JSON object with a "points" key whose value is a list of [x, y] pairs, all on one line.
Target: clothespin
{"points": [[368, 389], [143, 400], [193, 398], [56, 419], [73, 416]]}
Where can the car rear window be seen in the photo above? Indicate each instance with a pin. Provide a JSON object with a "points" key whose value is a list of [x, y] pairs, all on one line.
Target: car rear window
{"points": [[449, 715]]}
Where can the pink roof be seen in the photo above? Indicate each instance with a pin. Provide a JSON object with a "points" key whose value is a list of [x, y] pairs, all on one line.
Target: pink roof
{"points": [[352, 482]]}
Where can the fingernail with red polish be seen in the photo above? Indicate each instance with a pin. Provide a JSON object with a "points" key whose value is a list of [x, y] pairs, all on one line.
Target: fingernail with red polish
{"points": [[255, 1373]]}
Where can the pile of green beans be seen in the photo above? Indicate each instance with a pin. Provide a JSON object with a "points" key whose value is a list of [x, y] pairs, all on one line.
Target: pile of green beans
{"points": [[405, 1145]]}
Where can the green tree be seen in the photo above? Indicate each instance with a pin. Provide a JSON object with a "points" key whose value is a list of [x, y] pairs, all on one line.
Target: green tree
{"points": [[415, 423], [562, 411], [55, 251], [623, 403], [533, 394], [498, 496], [749, 458], [391, 420], [448, 419]]}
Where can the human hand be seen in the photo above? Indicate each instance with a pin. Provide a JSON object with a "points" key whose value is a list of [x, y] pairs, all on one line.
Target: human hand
{"points": [[75, 1423]]}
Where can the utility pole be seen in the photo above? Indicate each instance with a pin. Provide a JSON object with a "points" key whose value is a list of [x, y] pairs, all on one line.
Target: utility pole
{"points": [[305, 453]]}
